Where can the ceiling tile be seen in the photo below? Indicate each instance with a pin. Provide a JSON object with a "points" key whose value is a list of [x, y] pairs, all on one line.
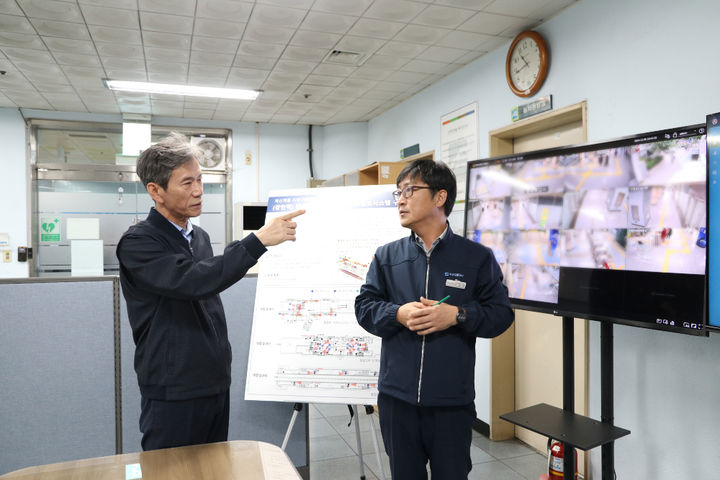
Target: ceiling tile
{"points": [[360, 84], [198, 113], [124, 36], [247, 77], [112, 17], [282, 17], [166, 55], [369, 27], [173, 7], [166, 40], [292, 66], [467, 40], [391, 86], [515, 8], [441, 54], [216, 45], [364, 45], [316, 92], [379, 94], [327, 22], [260, 49], [231, 10], [10, 7], [421, 34], [406, 77], [423, 66], [160, 77], [211, 27], [54, 87], [159, 22], [134, 52], [169, 68], [51, 10], [126, 4], [234, 115], [125, 63], [78, 60], [551, 8], [396, 10], [476, 5], [470, 57], [201, 102], [334, 70], [268, 34], [82, 80], [51, 28], [69, 102], [395, 48], [21, 40], [28, 55], [306, 38], [324, 80], [372, 73], [388, 62], [66, 45], [27, 99], [250, 61], [343, 7], [288, 3], [491, 24], [286, 78], [129, 75], [256, 117], [11, 23], [446, 17], [29, 67], [277, 94], [297, 107], [209, 58], [304, 54], [206, 80]]}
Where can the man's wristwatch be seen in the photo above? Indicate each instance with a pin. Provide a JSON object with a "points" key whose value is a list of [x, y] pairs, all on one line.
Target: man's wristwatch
{"points": [[461, 316]]}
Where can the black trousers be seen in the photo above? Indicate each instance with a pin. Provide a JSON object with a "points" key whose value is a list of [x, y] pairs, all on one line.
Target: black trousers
{"points": [[166, 424], [415, 435]]}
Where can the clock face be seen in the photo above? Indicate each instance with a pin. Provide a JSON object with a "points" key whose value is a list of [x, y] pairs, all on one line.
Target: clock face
{"points": [[525, 63]]}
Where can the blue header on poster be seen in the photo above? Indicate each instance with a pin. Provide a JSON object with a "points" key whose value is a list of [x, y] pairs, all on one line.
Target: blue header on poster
{"points": [[352, 200]]}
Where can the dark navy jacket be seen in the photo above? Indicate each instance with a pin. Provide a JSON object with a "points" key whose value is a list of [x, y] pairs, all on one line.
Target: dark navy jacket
{"points": [[437, 369], [177, 319]]}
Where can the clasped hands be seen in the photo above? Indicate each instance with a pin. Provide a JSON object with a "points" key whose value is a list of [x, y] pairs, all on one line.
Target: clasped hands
{"points": [[426, 316]]}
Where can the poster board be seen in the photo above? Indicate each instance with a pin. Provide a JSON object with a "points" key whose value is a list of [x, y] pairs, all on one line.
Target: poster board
{"points": [[306, 345]]}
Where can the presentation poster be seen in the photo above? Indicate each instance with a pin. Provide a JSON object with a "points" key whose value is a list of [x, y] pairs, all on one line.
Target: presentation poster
{"points": [[459, 144], [306, 345]]}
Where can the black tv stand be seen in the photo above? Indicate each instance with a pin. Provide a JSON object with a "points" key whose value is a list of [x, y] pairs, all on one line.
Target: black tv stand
{"points": [[578, 431]]}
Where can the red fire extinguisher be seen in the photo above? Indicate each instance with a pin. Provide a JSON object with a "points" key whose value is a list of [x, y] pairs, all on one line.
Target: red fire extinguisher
{"points": [[556, 455]]}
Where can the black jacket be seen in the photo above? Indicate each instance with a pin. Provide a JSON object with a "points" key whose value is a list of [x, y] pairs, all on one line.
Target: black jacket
{"points": [[437, 369], [178, 322]]}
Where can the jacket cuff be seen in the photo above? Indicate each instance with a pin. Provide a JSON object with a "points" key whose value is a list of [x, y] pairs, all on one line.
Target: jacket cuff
{"points": [[253, 245]]}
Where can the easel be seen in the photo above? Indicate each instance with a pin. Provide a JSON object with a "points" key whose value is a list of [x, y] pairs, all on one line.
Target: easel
{"points": [[369, 410]]}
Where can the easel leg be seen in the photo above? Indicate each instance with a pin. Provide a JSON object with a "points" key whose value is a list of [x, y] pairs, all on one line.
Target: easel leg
{"points": [[296, 409], [369, 409], [359, 444]]}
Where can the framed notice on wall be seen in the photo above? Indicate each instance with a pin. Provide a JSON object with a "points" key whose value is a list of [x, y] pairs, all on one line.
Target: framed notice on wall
{"points": [[306, 345], [458, 139]]}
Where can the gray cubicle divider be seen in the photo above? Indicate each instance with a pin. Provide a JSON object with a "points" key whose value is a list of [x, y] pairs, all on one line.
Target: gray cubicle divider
{"points": [[57, 364], [266, 421]]}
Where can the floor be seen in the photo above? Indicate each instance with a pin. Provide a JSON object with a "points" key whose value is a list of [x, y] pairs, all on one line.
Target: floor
{"points": [[333, 451]]}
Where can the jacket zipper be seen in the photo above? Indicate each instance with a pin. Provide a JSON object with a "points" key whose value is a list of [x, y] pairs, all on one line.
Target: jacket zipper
{"points": [[202, 307], [422, 350]]}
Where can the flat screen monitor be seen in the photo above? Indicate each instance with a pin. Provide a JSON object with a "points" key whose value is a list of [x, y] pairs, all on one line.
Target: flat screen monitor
{"points": [[608, 231], [713, 193]]}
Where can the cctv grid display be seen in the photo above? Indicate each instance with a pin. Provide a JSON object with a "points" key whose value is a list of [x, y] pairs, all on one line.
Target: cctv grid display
{"points": [[610, 231], [713, 189]]}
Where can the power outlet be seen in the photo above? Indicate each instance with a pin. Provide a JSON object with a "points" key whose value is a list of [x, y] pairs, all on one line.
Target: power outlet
{"points": [[248, 157], [7, 256]]}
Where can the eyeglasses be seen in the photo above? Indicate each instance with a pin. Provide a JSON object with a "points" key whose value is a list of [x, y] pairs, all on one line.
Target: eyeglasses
{"points": [[408, 191]]}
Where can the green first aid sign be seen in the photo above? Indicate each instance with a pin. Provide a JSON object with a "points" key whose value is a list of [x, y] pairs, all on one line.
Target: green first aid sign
{"points": [[50, 229]]}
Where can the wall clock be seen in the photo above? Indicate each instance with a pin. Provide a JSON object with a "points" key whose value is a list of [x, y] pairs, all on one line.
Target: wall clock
{"points": [[526, 65]]}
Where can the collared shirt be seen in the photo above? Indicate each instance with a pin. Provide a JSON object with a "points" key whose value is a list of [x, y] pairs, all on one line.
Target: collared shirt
{"points": [[420, 242], [186, 232]]}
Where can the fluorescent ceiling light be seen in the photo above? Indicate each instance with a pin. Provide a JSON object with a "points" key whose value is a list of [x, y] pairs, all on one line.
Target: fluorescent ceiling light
{"points": [[188, 90]]}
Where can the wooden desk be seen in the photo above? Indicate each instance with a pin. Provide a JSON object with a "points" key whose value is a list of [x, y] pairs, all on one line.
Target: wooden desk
{"points": [[222, 461]]}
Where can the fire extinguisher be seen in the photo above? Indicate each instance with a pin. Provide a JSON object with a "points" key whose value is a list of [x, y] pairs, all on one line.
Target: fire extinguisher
{"points": [[556, 455]]}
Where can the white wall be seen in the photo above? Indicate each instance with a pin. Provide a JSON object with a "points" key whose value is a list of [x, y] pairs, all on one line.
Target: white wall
{"points": [[13, 189], [641, 65]]}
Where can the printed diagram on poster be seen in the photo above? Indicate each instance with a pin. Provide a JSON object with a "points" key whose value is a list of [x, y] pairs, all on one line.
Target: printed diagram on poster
{"points": [[306, 345], [458, 142]]}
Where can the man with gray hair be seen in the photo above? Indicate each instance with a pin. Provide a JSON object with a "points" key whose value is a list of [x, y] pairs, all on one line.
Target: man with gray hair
{"points": [[171, 282]]}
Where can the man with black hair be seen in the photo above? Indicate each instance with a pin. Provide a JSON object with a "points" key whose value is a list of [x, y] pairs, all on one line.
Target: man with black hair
{"points": [[426, 385], [171, 282]]}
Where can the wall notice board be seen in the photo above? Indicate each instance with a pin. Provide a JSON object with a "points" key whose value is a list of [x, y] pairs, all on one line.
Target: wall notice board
{"points": [[306, 345]]}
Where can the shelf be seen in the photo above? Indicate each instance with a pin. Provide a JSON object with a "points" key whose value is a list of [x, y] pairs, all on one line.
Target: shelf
{"points": [[574, 430], [379, 173]]}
